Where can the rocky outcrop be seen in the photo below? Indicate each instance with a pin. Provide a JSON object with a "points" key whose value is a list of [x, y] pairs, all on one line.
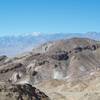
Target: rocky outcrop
{"points": [[21, 92], [13, 67], [3, 57], [61, 55]]}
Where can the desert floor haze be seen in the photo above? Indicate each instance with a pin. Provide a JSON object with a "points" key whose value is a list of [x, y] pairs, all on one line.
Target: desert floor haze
{"points": [[63, 69]]}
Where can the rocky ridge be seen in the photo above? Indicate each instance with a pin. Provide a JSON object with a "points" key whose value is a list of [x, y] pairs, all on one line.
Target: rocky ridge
{"points": [[65, 65], [21, 92]]}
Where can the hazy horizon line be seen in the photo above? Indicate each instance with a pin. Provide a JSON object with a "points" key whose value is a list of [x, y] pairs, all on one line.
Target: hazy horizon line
{"points": [[41, 33]]}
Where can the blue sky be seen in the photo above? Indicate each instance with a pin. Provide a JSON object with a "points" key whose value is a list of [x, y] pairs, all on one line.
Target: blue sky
{"points": [[23, 16]]}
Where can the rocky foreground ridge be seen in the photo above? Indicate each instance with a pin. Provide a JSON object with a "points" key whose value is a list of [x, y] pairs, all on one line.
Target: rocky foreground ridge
{"points": [[21, 92], [64, 69]]}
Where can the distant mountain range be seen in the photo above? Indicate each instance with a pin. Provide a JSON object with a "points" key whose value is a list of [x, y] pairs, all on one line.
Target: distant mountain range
{"points": [[12, 45]]}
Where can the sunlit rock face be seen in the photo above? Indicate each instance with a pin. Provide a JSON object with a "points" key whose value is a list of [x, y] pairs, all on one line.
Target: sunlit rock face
{"points": [[16, 76], [58, 75]]}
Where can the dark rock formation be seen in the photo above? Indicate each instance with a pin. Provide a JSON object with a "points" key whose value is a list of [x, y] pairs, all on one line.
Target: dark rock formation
{"points": [[21, 92], [15, 66], [60, 55], [3, 57]]}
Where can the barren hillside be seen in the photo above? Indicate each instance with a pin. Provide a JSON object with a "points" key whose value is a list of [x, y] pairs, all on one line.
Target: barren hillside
{"points": [[63, 69]]}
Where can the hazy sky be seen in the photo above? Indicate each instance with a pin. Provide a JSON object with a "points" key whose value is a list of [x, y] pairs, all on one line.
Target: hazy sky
{"points": [[20, 16]]}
